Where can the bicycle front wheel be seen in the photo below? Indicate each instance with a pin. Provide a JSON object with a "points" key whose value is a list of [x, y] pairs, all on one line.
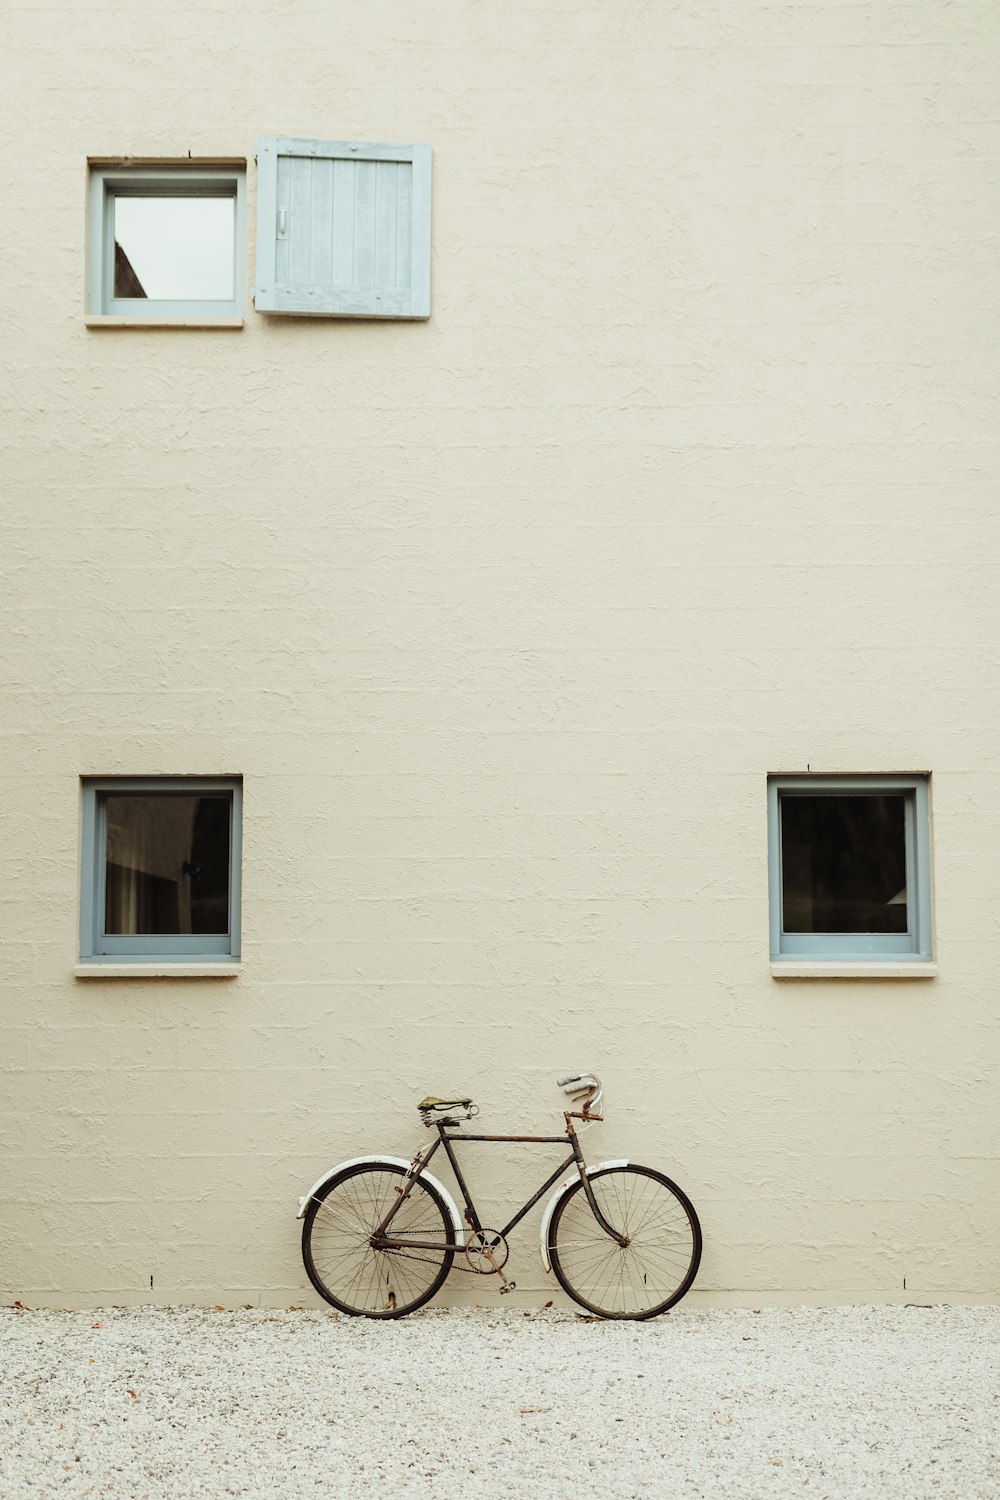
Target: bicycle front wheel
{"points": [[645, 1276], [338, 1254]]}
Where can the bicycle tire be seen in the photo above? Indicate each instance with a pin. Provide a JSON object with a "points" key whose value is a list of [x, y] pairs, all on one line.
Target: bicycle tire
{"points": [[340, 1261], [645, 1277]]}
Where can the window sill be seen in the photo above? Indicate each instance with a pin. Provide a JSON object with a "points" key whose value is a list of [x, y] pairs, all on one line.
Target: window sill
{"points": [[102, 320], [158, 969], [863, 969]]}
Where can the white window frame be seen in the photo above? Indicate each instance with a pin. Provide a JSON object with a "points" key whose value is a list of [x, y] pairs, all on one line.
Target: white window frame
{"points": [[97, 947], [856, 948], [196, 180]]}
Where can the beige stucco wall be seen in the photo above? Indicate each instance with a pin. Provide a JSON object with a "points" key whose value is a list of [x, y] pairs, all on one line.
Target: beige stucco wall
{"points": [[504, 618]]}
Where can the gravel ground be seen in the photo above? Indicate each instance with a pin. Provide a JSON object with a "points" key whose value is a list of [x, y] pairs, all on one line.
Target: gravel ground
{"points": [[188, 1403]]}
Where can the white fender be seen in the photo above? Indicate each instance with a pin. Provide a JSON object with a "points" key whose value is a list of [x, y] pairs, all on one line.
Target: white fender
{"points": [[394, 1161], [560, 1192]]}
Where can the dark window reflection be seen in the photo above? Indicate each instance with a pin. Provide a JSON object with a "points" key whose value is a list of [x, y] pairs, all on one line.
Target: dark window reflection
{"points": [[167, 864], [843, 864]]}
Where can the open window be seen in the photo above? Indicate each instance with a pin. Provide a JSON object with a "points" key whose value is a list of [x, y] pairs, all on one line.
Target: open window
{"points": [[343, 231], [167, 244]]}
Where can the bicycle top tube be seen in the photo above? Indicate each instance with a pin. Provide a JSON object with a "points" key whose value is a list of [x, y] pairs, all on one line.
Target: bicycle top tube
{"points": [[547, 1140]]}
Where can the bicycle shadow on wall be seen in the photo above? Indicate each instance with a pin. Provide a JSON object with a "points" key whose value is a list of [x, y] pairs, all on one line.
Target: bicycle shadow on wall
{"points": [[381, 1234]]}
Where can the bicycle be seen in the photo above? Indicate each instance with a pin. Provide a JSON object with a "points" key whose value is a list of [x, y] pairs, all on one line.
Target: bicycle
{"points": [[380, 1233]]}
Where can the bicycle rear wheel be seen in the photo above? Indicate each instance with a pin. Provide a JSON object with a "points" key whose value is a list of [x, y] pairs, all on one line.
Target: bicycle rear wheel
{"points": [[337, 1251], [642, 1278]]}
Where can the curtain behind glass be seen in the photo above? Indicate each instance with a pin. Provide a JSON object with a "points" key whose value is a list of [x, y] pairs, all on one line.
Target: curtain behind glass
{"points": [[167, 864]]}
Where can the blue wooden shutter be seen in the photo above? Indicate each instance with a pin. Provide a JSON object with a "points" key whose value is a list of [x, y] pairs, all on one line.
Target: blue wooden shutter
{"points": [[343, 229]]}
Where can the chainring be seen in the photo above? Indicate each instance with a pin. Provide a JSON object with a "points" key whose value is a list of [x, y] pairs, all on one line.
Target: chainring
{"points": [[486, 1250]]}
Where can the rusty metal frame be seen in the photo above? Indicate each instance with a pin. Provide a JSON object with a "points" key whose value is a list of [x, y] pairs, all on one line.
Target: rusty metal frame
{"points": [[447, 1136]]}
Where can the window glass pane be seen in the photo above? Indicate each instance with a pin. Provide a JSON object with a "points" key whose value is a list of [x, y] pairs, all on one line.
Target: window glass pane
{"points": [[175, 249], [167, 864], [843, 864]]}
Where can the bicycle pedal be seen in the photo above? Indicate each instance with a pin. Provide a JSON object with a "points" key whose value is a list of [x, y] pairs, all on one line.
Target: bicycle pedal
{"points": [[508, 1286]]}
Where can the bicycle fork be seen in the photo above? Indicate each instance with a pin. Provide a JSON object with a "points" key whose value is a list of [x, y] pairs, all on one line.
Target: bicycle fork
{"points": [[581, 1166]]}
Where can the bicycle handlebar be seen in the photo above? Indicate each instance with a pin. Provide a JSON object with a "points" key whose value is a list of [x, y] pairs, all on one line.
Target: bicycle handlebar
{"points": [[583, 1083]]}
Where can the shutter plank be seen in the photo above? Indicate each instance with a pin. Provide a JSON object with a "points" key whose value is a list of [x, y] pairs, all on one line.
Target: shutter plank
{"points": [[299, 208], [280, 243], [404, 224], [364, 225], [342, 271], [386, 174], [321, 223]]}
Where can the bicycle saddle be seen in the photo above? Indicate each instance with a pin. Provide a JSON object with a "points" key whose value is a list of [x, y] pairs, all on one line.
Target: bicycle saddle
{"points": [[435, 1111]]}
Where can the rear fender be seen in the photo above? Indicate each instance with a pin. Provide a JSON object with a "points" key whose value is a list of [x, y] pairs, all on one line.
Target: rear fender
{"points": [[560, 1192], [393, 1161]]}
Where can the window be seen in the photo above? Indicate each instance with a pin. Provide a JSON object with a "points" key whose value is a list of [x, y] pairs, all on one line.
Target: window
{"points": [[160, 869], [849, 864], [343, 229], [167, 244]]}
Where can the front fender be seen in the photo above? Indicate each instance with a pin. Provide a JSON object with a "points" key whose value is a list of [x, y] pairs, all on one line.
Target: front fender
{"points": [[560, 1191], [394, 1161]]}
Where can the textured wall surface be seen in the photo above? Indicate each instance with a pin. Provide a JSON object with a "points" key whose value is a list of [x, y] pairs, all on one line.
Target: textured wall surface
{"points": [[504, 618]]}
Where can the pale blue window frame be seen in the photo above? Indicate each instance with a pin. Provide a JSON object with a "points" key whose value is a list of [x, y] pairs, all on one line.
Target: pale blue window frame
{"points": [[915, 945], [107, 183], [96, 945]]}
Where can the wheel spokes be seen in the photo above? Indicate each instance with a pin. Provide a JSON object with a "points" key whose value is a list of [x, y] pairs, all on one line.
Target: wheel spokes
{"points": [[652, 1269], [350, 1270]]}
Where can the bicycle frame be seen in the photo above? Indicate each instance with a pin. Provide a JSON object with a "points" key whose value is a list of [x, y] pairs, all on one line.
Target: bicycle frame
{"points": [[447, 1137]]}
